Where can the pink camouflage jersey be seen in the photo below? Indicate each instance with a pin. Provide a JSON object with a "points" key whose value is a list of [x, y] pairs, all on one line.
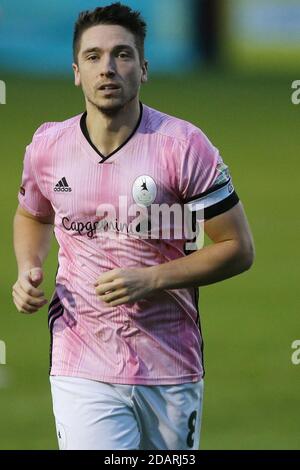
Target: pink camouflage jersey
{"points": [[154, 341]]}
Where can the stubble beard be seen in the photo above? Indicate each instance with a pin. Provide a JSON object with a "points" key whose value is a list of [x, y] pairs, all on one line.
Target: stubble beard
{"points": [[112, 110]]}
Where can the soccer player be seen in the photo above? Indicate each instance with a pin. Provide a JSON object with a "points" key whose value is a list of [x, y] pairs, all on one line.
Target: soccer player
{"points": [[126, 362]]}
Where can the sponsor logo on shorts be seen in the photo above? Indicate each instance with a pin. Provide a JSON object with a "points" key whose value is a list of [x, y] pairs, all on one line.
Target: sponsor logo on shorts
{"points": [[61, 436]]}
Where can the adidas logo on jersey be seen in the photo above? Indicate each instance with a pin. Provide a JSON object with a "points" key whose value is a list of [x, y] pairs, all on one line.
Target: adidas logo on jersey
{"points": [[62, 186]]}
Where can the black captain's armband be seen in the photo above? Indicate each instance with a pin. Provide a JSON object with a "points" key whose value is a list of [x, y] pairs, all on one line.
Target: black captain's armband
{"points": [[216, 200]]}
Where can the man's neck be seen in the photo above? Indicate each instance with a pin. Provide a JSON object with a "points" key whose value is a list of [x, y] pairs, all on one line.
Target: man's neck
{"points": [[108, 133]]}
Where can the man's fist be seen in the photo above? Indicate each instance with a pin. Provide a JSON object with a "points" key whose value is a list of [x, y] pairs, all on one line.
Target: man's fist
{"points": [[26, 295]]}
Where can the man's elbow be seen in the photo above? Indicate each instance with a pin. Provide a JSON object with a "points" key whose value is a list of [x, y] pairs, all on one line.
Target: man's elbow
{"points": [[246, 256]]}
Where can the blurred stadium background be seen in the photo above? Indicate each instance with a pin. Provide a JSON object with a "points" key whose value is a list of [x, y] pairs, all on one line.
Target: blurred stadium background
{"points": [[226, 66]]}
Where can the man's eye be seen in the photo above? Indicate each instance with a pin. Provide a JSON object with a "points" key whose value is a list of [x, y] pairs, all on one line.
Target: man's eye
{"points": [[124, 55], [92, 58]]}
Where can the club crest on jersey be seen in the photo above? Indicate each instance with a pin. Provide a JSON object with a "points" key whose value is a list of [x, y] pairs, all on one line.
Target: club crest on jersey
{"points": [[144, 190]]}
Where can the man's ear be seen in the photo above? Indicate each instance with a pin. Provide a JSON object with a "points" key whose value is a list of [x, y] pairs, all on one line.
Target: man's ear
{"points": [[76, 74], [144, 77]]}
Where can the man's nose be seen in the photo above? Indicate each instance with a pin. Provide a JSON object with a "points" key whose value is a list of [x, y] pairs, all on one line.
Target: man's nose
{"points": [[107, 67]]}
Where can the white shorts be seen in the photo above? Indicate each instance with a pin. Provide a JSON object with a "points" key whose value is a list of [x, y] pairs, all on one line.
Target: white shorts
{"points": [[93, 415]]}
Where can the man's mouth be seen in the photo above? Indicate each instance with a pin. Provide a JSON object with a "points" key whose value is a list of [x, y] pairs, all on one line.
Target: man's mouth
{"points": [[109, 86]]}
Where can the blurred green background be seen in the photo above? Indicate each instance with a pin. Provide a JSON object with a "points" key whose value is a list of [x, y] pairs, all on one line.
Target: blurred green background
{"points": [[249, 322]]}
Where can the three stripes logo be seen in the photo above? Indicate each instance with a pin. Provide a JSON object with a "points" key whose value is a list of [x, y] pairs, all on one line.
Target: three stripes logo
{"points": [[62, 186], [55, 310]]}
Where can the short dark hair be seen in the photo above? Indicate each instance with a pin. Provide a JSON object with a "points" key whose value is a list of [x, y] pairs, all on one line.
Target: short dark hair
{"points": [[115, 14]]}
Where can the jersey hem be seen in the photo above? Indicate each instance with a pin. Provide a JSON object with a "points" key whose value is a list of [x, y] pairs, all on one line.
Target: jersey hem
{"points": [[133, 381]]}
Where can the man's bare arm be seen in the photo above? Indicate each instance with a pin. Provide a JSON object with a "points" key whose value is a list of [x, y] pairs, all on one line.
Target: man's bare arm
{"points": [[32, 238], [231, 253]]}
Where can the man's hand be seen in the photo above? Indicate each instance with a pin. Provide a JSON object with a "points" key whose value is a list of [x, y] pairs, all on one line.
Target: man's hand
{"points": [[120, 286], [27, 298]]}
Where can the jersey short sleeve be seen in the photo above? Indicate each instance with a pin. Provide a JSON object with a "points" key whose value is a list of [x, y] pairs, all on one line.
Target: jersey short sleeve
{"points": [[205, 183], [30, 196]]}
